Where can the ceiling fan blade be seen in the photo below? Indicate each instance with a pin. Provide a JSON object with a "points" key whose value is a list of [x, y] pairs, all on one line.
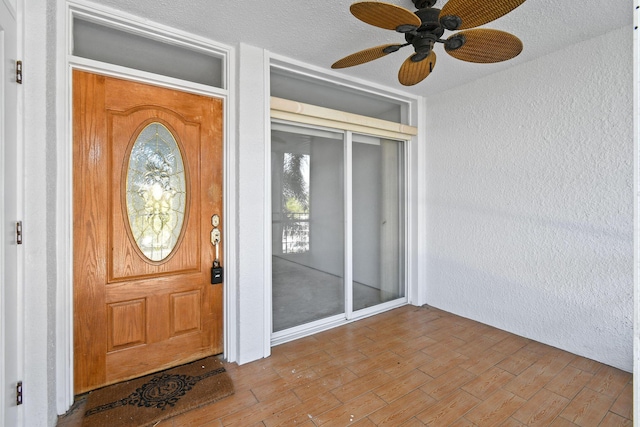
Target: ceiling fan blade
{"points": [[366, 55], [412, 73], [473, 13], [483, 45], [385, 15]]}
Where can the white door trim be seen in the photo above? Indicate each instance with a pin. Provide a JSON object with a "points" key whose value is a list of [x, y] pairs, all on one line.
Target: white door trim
{"points": [[65, 64], [636, 215], [11, 210]]}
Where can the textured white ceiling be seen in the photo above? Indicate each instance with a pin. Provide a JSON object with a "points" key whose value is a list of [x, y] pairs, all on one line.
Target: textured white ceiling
{"points": [[321, 32]]}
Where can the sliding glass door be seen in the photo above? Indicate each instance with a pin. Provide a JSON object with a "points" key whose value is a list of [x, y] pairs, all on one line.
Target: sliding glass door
{"points": [[377, 221], [338, 224], [307, 199]]}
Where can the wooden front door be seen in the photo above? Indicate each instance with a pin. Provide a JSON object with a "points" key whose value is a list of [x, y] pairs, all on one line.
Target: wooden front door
{"points": [[147, 179]]}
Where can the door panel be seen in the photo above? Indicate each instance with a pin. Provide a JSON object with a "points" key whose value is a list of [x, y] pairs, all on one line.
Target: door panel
{"points": [[133, 315], [308, 225], [378, 221]]}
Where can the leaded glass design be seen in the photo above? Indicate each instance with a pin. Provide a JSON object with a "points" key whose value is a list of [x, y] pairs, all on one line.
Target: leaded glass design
{"points": [[156, 192]]}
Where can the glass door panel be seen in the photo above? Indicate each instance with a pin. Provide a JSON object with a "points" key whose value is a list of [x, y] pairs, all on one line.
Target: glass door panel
{"points": [[307, 198], [378, 221]]}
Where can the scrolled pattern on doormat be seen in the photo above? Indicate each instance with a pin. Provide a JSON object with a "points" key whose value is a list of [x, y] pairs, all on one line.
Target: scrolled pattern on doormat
{"points": [[147, 400], [160, 392]]}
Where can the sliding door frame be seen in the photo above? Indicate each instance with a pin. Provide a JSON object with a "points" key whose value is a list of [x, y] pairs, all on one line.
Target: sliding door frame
{"points": [[312, 117]]}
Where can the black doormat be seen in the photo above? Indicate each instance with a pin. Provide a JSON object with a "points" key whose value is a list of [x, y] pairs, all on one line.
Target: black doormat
{"points": [[147, 400]]}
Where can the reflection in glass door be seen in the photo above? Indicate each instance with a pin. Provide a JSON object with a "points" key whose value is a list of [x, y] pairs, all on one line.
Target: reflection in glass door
{"points": [[307, 225]]}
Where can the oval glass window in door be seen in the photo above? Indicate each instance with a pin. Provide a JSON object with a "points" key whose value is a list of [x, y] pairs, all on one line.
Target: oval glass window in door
{"points": [[156, 192]]}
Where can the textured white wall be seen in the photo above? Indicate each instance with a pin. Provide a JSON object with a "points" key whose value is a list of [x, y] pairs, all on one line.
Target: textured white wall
{"points": [[529, 199]]}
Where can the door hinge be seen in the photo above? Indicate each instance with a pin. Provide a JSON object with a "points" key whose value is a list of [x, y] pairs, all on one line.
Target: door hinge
{"points": [[19, 393], [19, 232], [19, 72]]}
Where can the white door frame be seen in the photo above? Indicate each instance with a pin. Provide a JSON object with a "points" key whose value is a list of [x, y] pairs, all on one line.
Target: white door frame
{"points": [[67, 63], [11, 146]]}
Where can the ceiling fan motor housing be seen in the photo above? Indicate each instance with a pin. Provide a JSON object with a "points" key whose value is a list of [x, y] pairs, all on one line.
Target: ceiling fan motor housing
{"points": [[424, 38], [430, 21], [423, 42]]}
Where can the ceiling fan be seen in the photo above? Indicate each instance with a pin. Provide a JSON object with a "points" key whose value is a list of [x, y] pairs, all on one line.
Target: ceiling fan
{"points": [[424, 28]]}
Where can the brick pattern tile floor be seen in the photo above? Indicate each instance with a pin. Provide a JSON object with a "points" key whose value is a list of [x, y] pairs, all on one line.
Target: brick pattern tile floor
{"points": [[416, 366]]}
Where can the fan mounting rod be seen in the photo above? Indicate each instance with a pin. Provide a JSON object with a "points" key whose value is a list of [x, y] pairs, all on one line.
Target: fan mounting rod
{"points": [[421, 4]]}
